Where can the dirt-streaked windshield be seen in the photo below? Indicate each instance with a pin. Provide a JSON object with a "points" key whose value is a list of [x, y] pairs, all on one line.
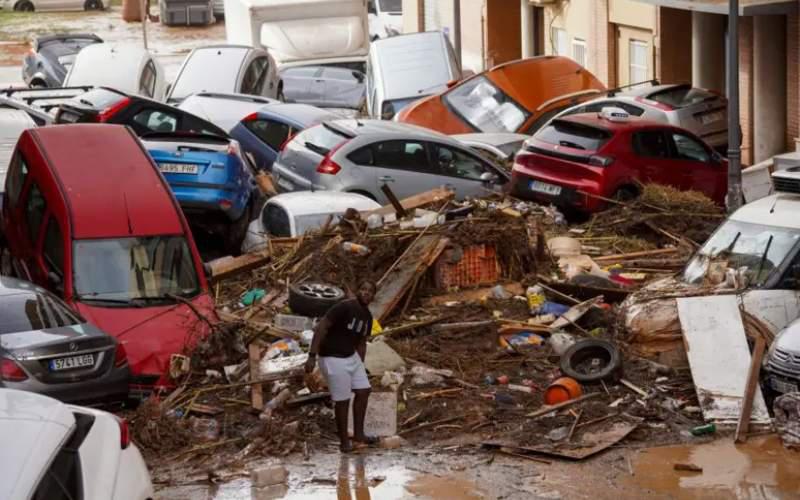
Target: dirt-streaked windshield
{"points": [[486, 107]]}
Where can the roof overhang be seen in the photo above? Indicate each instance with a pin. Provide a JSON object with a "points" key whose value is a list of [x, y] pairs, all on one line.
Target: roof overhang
{"points": [[746, 7]]}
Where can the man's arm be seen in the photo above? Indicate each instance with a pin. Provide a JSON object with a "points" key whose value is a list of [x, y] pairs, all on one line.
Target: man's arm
{"points": [[320, 332], [361, 349]]}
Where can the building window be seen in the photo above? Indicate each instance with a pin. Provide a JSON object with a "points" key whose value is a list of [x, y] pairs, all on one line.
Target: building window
{"points": [[560, 42], [639, 68], [579, 51]]}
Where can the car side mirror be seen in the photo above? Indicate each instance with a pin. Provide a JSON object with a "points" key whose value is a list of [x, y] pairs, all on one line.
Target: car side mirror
{"points": [[488, 177]]}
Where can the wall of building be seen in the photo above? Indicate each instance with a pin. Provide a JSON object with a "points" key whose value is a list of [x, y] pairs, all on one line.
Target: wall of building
{"points": [[746, 87], [632, 13], [473, 35], [792, 80], [673, 47], [412, 16]]}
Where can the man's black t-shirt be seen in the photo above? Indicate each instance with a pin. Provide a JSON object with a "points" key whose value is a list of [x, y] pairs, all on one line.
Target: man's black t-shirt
{"points": [[350, 323]]}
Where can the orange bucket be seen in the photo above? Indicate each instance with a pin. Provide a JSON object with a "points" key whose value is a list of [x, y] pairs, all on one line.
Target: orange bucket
{"points": [[562, 389]]}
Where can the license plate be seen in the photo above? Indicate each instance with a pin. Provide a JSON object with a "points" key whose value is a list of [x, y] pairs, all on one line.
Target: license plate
{"points": [[711, 118], [177, 168], [71, 363], [285, 184], [781, 386], [543, 187], [68, 117]]}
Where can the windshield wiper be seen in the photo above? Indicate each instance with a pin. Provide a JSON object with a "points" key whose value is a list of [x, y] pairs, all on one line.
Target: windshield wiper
{"points": [[764, 256], [317, 149], [570, 144], [93, 298]]}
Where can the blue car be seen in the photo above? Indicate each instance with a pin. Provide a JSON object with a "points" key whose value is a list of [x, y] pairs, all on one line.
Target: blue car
{"points": [[211, 180], [261, 134]]}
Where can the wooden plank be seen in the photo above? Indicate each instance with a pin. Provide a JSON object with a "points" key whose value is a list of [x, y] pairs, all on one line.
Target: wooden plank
{"points": [[750, 390], [398, 207], [256, 390], [719, 357], [416, 201], [227, 267], [632, 255], [412, 263]]}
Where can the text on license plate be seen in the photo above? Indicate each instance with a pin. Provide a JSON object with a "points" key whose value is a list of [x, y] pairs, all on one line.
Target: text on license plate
{"points": [[73, 362], [177, 168], [781, 386], [543, 187], [711, 118]]}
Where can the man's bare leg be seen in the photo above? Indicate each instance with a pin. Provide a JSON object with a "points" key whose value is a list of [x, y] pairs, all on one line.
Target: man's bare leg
{"points": [[359, 413], [341, 410]]}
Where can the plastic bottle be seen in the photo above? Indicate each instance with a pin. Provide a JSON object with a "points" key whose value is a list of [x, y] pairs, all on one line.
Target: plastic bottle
{"points": [[702, 430], [535, 295], [355, 248]]}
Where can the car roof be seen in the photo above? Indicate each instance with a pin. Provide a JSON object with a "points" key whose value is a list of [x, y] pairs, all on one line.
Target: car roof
{"points": [[779, 210], [358, 127], [108, 64], [14, 286], [492, 138], [32, 428], [243, 49], [645, 91], [631, 123], [301, 113], [125, 195], [321, 202]]}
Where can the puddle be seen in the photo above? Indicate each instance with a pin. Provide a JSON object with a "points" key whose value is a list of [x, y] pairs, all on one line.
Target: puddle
{"points": [[760, 469]]}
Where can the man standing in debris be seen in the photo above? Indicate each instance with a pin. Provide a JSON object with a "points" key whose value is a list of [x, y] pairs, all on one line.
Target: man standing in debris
{"points": [[340, 340]]}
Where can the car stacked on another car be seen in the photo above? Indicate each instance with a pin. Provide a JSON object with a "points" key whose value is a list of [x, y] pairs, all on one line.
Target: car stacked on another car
{"points": [[223, 110], [360, 156], [49, 60], [578, 160], [499, 147], [213, 183]]}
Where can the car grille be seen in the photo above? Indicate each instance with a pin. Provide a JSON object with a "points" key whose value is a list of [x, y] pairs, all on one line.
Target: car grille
{"points": [[785, 363], [786, 185]]}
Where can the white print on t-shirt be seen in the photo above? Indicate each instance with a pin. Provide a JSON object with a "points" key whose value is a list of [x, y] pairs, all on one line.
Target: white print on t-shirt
{"points": [[352, 326]]}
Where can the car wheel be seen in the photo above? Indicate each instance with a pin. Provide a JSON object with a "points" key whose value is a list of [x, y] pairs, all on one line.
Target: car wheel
{"points": [[625, 193], [93, 5], [591, 361], [24, 6], [314, 299]]}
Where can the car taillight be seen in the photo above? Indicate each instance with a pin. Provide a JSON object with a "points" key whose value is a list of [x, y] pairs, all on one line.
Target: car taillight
{"points": [[600, 161], [327, 165], [120, 356], [250, 118], [225, 204], [124, 433], [110, 111], [11, 371]]}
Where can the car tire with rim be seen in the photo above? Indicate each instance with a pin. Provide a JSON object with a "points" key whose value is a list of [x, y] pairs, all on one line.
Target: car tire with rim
{"points": [[93, 5], [313, 298], [625, 193], [24, 6], [591, 361]]}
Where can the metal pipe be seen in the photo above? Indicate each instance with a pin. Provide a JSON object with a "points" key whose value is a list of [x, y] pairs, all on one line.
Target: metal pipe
{"points": [[734, 197], [457, 28]]}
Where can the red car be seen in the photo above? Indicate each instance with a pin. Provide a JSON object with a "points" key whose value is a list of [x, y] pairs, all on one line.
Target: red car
{"points": [[577, 160], [88, 215]]}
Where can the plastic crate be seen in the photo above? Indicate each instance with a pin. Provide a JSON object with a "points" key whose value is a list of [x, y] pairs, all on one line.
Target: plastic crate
{"points": [[478, 266], [186, 12]]}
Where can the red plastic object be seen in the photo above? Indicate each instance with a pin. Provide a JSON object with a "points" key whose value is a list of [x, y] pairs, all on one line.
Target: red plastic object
{"points": [[502, 379], [562, 389], [478, 266]]}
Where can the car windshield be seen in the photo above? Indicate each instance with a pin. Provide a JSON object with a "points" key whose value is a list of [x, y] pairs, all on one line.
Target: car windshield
{"points": [[126, 269], [484, 106], [28, 311], [573, 135], [757, 248], [195, 76], [391, 108], [682, 97], [67, 60]]}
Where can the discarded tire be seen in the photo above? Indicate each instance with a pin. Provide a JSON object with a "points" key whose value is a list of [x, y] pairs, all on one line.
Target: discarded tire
{"points": [[313, 299], [590, 361]]}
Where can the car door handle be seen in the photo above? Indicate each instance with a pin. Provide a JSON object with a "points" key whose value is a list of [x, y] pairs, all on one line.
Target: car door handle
{"points": [[386, 178]]}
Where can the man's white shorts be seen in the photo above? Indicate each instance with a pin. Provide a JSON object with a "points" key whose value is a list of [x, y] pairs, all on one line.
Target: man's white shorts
{"points": [[344, 375]]}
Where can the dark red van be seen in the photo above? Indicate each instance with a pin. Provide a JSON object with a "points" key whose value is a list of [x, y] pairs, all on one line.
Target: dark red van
{"points": [[87, 215]]}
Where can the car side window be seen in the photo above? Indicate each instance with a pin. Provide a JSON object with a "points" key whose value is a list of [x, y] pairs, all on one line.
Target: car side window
{"points": [[455, 163], [254, 76], [35, 208], [62, 480], [271, 132], [17, 173], [147, 82], [276, 221], [154, 120], [651, 144], [687, 148], [402, 155], [54, 247], [362, 157], [540, 122]]}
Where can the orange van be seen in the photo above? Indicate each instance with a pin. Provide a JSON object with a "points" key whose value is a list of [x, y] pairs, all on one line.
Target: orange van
{"points": [[518, 96]]}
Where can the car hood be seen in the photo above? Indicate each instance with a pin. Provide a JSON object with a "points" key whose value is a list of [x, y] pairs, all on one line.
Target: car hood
{"points": [[431, 112], [37, 338], [152, 334], [789, 338]]}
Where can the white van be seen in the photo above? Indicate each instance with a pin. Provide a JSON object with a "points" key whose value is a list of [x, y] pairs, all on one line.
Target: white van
{"points": [[402, 69], [302, 32]]}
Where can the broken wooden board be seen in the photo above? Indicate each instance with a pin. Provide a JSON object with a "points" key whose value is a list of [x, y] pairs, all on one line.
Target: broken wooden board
{"points": [[416, 201], [472, 295], [591, 443], [415, 261], [719, 358], [226, 267]]}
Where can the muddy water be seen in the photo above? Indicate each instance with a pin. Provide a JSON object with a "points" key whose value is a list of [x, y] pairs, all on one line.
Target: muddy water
{"points": [[760, 469]]}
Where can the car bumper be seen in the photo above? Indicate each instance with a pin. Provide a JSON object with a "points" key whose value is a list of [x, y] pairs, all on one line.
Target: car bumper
{"points": [[196, 201], [569, 195], [112, 386], [287, 181]]}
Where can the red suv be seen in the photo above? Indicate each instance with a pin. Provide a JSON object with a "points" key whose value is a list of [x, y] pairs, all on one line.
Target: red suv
{"points": [[609, 155], [88, 215]]}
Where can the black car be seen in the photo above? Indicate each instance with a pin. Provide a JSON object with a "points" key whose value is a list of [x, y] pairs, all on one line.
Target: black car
{"points": [[47, 348], [48, 62], [143, 115]]}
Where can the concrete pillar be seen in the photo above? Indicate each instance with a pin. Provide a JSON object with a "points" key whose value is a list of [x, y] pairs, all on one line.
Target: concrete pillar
{"points": [[526, 22], [708, 51], [769, 86]]}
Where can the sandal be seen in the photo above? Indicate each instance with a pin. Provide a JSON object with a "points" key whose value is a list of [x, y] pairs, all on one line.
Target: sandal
{"points": [[346, 448]]}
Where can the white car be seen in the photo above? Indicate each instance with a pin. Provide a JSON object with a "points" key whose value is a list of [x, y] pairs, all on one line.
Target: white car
{"points": [[124, 67], [385, 18], [292, 214], [498, 146], [224, 110], [52, 5], [229, 69], [54, 451]]}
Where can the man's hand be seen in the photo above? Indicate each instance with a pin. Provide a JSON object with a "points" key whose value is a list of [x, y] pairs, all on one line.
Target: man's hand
{"points": [[311, 363]]}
